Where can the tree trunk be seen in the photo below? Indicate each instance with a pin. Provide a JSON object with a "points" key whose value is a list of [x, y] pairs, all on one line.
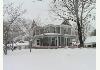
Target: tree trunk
{"points": [[30, 45], [5, 49], [80, 33], [12, 46]]}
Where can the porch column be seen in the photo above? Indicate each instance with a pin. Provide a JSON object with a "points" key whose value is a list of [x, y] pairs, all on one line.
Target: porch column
{"points": [[57, 41], [49, 41], [66, 41], [42, 41], [60, 29]]}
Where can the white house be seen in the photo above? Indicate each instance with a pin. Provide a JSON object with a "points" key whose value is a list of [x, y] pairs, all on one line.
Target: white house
{"points": [[53, 36]]}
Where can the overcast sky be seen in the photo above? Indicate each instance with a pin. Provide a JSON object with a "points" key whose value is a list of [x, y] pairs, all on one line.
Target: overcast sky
{"points": [[38, 9]]}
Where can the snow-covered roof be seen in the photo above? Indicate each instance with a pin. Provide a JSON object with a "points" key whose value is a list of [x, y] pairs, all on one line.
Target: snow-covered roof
{"points": [[51, 34], [90, 39]]}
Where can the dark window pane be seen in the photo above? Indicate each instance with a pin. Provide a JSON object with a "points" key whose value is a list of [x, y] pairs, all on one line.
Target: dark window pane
{"points": [[57, 29], [89, 45], [62, 41], [59, 41]]}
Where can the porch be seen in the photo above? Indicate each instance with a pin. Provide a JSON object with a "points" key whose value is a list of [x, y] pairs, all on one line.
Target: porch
{"points": [[51, 40]]}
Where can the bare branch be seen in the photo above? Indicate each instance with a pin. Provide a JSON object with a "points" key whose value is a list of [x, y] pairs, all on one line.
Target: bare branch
{"points": [[88, 13]]}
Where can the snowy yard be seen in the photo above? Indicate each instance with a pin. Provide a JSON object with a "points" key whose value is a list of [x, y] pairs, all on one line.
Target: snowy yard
{"points": [[51, 59]]}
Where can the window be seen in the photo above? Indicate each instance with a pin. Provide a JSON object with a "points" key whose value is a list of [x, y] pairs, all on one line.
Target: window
{"points": [[58, 29], [68, 41], [47, 30], [89, 45], [52, 29], [38, 42], [59, 38], [45, 41], [62, 41], [94, 45], [69, 30], [62, 30]]}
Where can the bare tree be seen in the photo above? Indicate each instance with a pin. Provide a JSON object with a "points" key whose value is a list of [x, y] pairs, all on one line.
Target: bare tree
{"points": [[32, 33], [29, 30], [11, 13], [78, 10], [5, 36]]}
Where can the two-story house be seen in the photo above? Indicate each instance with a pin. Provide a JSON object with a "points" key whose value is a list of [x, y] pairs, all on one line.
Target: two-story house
{"points": [[53, 36]]}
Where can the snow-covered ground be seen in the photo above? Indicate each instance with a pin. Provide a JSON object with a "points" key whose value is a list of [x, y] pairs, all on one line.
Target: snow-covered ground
{"points": [[51, 59]]}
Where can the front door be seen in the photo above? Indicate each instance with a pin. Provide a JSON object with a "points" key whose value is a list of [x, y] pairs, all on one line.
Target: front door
{"points": [[54, 41]]}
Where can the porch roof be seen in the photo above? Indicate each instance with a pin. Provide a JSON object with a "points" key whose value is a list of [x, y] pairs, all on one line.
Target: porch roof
{"points": [[48, 34], [51, 34], [55, 34]]}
